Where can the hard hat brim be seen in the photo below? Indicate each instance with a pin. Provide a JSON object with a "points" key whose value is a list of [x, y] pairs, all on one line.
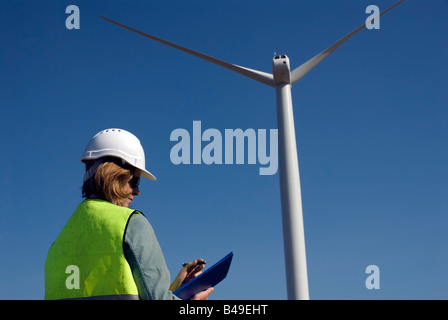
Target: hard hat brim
{"points": [[142, 172], [146, 174]]}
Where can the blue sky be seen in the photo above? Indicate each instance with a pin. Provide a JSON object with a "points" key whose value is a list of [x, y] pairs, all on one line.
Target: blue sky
{"points": [[371, 127]]}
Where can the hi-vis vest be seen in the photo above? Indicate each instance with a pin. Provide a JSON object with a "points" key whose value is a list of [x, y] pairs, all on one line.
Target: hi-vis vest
{"points": [[87, 258]]}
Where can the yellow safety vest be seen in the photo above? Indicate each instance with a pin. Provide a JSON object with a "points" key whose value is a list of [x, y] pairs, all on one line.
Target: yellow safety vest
{"points": [[87, 258]]}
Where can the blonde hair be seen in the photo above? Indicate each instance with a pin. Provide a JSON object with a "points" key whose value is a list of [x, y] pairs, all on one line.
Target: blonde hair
{"points": [[108, 182]]}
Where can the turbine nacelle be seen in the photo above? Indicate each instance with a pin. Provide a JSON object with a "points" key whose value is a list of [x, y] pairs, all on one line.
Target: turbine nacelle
{"points": [[281, 69]]}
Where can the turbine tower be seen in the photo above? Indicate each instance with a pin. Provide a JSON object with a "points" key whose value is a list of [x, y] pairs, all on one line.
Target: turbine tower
{"points": [[282, 78]]}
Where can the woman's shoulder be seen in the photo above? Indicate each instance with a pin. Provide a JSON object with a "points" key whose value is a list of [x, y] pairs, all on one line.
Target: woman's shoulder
{"points": [[138, 228]]}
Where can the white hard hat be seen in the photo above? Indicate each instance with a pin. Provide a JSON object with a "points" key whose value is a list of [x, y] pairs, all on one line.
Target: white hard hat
{"points": [[117, 143]]}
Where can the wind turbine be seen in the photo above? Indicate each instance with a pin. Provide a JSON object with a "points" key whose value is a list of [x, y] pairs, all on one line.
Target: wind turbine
{"points": [[282, 78]]}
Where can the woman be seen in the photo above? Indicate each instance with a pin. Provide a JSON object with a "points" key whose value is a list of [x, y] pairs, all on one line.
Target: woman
{"points": [[111, 249]]}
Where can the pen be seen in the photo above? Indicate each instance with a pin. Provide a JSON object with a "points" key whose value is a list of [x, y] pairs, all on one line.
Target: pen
{"points": [[199, 262]]}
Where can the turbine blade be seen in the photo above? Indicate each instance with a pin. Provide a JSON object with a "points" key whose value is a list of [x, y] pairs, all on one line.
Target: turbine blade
{"points": [[302, 70], [262, 77]]}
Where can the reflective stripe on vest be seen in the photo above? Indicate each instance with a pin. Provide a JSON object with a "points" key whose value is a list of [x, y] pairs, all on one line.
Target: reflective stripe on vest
{"points": [[92, 242]]}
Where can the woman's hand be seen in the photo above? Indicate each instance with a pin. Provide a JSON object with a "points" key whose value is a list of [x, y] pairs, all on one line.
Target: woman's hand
{"points": [[203, 295], [187, 273], [190, 271]]}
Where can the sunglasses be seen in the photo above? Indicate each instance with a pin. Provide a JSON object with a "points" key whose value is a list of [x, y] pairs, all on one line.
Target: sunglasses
{"points": [[134, 182]]}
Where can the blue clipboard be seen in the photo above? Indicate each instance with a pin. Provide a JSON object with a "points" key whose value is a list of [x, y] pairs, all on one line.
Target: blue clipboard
{"points": [[209, 278]]}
